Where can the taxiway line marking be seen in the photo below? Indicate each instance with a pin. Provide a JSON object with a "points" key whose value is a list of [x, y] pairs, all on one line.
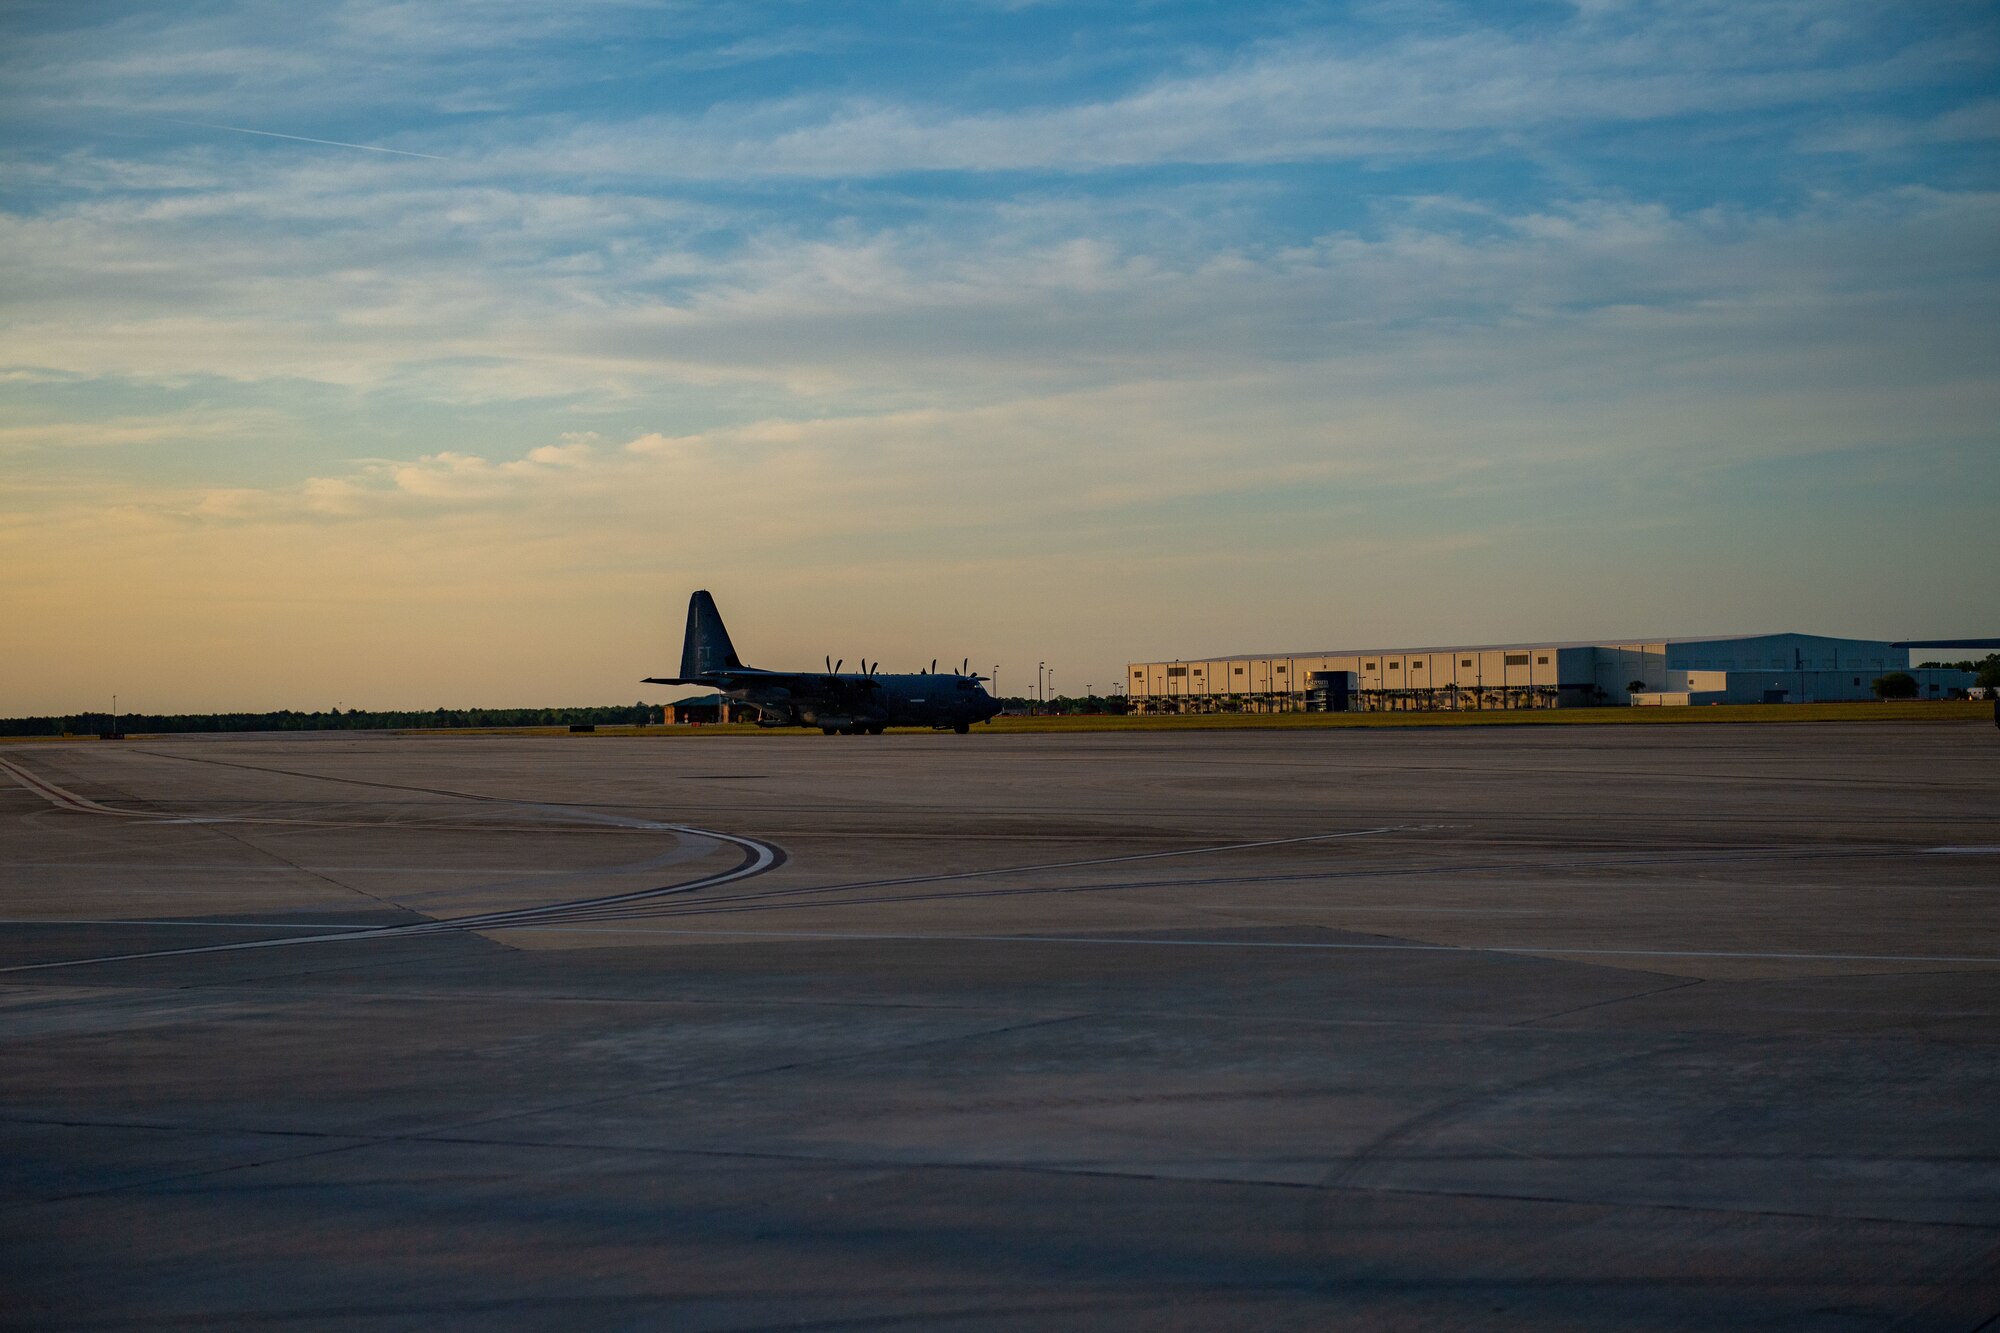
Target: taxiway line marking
{"points": [[1321, 945], [762, 858], [177, 922], [67, 799], [1100, 860], [759, 857], [754, 902]]}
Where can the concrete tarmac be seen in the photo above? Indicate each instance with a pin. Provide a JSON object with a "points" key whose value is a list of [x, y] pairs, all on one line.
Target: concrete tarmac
{"points": [[1566, 1027]]}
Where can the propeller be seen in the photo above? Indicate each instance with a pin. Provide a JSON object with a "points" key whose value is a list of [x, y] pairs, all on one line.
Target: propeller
{"points": [[933, 670], [838, 665], [965, 667]]}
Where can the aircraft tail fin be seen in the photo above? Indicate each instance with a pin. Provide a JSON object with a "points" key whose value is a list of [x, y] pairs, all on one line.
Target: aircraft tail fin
{"points": [[706, 648]]}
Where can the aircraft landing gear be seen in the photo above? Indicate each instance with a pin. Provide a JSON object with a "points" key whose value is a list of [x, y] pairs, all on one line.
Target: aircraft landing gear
{"points": [[962, 728]]}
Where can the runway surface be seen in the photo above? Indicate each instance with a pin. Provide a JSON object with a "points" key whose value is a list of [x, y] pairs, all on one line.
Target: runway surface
{"points": [[1576, 1027]]}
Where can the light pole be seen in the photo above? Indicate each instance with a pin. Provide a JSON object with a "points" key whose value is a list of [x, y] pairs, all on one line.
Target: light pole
{"points": [[1040, 667], [1052, 682], [114, 716]]}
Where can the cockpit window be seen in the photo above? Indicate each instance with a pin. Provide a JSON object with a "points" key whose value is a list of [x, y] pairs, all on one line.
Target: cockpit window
{"points": [[965, 685]]}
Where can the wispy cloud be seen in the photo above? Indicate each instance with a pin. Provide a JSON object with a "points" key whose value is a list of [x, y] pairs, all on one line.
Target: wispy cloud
{"points": [[508, 295], [98, 432], [1424, 93], [300, 138]]}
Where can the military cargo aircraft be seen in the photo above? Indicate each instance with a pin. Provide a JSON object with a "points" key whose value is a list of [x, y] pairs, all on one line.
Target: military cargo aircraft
{"points": [[838, 703]]}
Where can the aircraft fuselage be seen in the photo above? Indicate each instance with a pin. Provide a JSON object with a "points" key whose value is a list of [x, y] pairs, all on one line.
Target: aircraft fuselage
{"points": [[852, 702]]}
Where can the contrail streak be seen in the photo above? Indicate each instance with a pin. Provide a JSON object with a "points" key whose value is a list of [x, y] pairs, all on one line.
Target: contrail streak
{"points": [[300, 138]]}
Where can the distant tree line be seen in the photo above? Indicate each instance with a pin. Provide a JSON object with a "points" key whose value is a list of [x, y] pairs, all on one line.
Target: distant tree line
{"points": [[1988, 668], [334, 719]]}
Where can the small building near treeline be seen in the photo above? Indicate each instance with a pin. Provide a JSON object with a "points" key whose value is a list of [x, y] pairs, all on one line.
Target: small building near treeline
{"points": [[700, 708]]}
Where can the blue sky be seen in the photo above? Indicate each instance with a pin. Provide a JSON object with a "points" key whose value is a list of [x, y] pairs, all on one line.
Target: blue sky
{"points": [[1031, 331]]}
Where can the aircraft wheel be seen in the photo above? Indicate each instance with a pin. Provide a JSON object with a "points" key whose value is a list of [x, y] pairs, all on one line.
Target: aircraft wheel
{"points": [[828, 731], [962, 728], [876, 731]]}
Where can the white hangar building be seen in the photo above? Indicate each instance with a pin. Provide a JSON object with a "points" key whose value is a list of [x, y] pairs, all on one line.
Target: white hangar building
{"points": [[1757, 668]]}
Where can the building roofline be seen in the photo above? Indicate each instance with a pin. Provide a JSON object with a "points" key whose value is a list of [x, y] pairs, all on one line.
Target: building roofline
{"points": [[1569, 643]]}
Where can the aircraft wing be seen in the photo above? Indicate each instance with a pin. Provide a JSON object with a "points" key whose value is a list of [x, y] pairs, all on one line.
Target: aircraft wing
{"points": [[793, 682], [723, 680]]}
